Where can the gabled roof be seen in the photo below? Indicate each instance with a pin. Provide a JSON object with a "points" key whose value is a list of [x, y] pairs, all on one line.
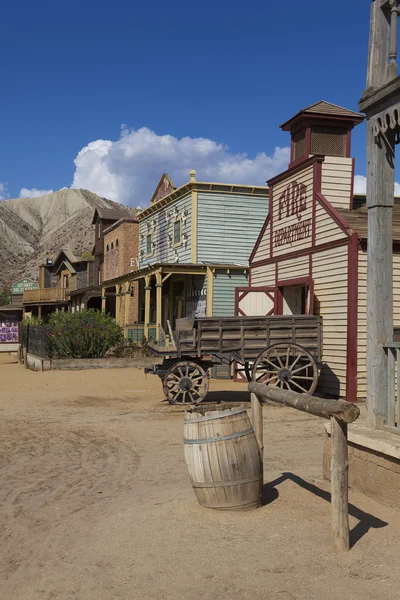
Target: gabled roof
{"points": [[69, 255], [325, 109], [113, 214], [164, 187], [68, 265]]}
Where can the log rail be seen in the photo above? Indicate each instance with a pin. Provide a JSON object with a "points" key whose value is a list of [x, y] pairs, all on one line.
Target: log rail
{"points": [[340, 413]]}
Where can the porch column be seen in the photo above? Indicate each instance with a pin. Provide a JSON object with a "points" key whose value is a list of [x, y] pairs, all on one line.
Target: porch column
{"points": [[117, 302], [39, 311], [127, 302], [147, 289], [158, 304], [103, 300], [210, 289]]}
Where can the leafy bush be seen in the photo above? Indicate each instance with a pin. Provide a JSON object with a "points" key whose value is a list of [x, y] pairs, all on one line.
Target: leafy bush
{"points": [[84, 334], [33, 321]]}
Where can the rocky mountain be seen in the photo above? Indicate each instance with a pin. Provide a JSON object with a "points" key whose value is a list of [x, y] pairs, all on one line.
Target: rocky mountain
{"points": [[33, 228]]}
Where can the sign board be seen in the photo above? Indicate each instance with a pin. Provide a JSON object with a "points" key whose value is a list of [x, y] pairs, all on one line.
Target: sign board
{"points": [[8, 331], [24, 284]]}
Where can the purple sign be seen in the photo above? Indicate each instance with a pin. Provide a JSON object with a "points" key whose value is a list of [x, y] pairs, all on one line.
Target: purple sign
{"points": [[8, 331]]}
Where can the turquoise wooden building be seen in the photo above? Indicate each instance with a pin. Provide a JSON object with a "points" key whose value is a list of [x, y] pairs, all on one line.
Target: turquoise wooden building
{"points": [[194, 248]]}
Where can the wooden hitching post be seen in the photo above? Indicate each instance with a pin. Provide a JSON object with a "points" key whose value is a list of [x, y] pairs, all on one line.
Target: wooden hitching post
{"points": [[339, 485], [257, 421]]}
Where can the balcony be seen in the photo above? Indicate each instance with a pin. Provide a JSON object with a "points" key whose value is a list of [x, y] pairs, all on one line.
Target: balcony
{"points": [[45, 295]]}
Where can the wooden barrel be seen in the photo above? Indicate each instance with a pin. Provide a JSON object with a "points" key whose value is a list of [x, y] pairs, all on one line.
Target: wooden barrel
{"points": [[223, 458]]}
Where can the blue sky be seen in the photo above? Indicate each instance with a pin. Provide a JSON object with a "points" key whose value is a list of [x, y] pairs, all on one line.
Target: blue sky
{"points": [[229, 73]]}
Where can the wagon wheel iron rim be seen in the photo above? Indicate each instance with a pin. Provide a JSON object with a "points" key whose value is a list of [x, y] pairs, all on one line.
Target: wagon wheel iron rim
{"points": [[185, 383], [287, 366]]}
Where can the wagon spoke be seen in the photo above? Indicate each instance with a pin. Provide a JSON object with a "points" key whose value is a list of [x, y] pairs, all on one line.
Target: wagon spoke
{"points": [[302, 368], [300, 377], [276, 367], [299, 386], [180, 372], [278, 357], [287, 357], [187, 371], [184, 398], [295, 362]]}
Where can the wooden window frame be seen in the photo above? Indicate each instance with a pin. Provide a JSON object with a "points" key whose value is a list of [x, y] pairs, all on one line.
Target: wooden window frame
{"points": [[306, 282], [177, 244], [149, 235]]}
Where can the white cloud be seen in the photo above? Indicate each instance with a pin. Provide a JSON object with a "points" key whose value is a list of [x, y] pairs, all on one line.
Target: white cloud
{"points": [[3, 191], [128, 170], [33, 193], [360, 185]]}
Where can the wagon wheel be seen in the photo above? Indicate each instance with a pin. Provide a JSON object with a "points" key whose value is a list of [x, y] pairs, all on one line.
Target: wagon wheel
{"points": [[287, 366], [185, 382]]}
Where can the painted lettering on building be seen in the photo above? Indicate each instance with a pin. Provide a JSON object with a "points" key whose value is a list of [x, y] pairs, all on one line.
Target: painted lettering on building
{"points": [[293, 201], [292, 233]]}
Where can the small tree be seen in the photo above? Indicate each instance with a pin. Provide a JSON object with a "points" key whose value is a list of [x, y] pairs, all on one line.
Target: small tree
{"points": [[87, 255], [84, 334], [5, 295]]}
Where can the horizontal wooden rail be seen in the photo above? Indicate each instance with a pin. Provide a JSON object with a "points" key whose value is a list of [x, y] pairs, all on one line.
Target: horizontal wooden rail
{"points": [[45, 295], [340, 414], [320, 407]]}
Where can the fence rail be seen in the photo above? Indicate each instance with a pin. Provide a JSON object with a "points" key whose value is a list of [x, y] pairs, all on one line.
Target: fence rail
{"points": [[45, 295]]}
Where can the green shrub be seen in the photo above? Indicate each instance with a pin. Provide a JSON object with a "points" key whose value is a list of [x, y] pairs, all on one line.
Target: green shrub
{"points": [[84, 334]]}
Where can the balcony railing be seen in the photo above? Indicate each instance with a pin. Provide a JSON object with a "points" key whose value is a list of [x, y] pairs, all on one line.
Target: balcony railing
{"points": [[393, 400], [45, 295]]}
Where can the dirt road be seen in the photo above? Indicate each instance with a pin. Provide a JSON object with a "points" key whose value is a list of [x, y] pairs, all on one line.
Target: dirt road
{"points": [[96, 503]]}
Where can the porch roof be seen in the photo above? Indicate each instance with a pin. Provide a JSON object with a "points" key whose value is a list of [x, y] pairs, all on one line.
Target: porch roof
{"points": [[174, 268]]}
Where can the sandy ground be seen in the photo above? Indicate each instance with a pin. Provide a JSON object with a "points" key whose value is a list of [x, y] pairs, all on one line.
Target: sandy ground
{"points": [[96, 503]]}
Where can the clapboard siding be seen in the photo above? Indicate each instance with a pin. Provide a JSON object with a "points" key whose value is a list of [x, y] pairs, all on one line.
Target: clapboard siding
{"points": [[327, 230], [160, 227], [228, 226], [337, 179], [263, 276], [281, 221], [293, 268], [224, 291], [330, 289]]}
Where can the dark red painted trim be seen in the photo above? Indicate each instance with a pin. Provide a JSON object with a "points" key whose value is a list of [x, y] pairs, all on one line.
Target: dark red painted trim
{"points": [[261, 235], [296, 169], [241, 292], [307, 281], [303, 252], [310, 265], [352, 315], [317, 187], [336, 216], [301, 120], [294, 281], [271, 221], [353, 169]]}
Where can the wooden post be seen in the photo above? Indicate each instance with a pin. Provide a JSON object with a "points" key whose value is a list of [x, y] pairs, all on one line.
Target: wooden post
{"points": [[103, 300], [159, 286], [117, 303], [339, 485], [258, 426], [147, 290]]}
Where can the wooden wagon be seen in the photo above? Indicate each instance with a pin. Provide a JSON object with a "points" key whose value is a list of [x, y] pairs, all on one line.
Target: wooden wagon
{"points": [[284, 351]]}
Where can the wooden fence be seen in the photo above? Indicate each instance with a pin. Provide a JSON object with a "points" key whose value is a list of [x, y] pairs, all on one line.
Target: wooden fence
{"points": [[340, 414]]}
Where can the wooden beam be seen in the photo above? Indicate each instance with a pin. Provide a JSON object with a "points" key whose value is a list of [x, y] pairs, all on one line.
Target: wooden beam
{"points": [[339, 485], [159, 286], [127, 302], [103, 300], [117, 303], [257, 422], [320, 407], [166, 277]]}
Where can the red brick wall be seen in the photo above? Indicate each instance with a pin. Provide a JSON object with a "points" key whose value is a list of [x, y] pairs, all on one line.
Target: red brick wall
{"points": [[121, 250]]}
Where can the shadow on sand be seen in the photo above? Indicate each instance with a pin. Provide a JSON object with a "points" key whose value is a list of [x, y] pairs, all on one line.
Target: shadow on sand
{"points": [[366, 521]]}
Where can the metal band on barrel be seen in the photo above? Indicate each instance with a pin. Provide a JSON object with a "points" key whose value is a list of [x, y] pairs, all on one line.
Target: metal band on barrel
{"points": [[232, 436]]}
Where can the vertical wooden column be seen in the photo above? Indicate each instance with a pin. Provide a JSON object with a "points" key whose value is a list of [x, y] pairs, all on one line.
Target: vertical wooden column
{"points": [[159, 286], [127, 303], [210, 291], [147, 290], [380, 192], [103, 300], [339, 485], [258, 426], [39, 311], [118, 303]]}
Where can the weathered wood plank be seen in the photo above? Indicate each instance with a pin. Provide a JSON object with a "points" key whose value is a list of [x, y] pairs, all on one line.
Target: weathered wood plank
{"points": [[339, 485]]}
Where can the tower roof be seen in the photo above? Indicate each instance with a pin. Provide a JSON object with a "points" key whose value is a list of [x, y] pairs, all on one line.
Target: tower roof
{"points": [[323, 109]]}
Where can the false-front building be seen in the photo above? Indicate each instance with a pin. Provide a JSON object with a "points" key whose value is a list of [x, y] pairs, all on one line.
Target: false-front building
{"points": [[311, 255], [194, 244]]}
